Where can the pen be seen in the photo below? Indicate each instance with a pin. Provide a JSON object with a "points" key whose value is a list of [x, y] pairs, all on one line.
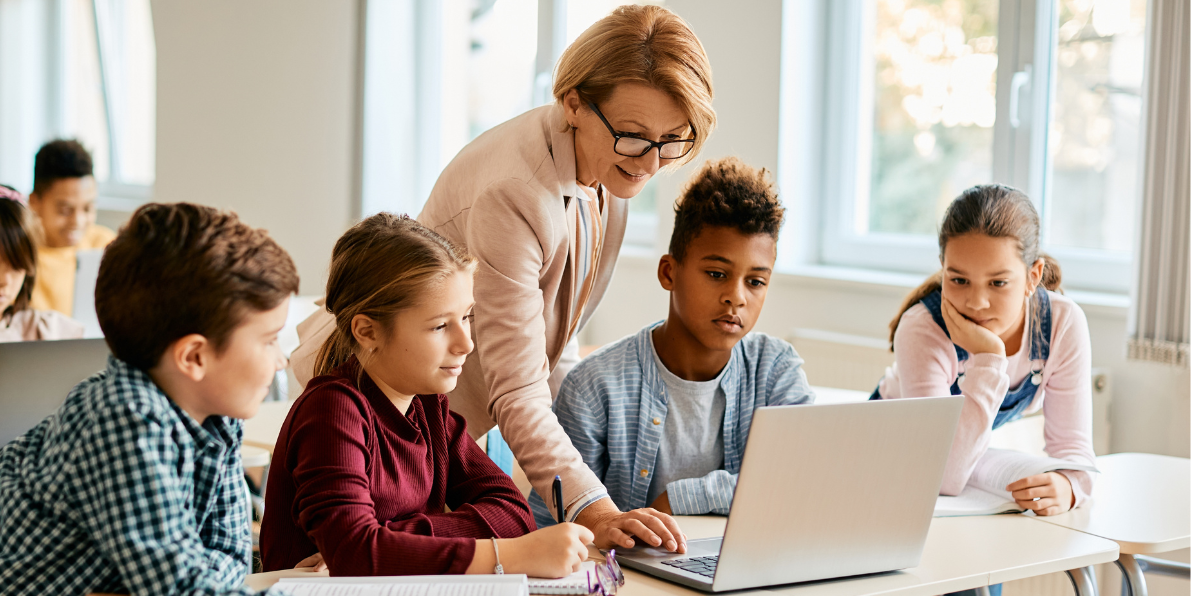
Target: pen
{"points": [[562, 514]]}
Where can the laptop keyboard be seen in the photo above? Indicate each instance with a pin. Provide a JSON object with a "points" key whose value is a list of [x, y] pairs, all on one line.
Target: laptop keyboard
{"points": [[704, 566]]}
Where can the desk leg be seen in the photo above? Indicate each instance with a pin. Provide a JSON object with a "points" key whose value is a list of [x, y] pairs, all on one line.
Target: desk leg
{"points": [[1163, 567], [1133, 583], [982, 591], [1083, 580]]}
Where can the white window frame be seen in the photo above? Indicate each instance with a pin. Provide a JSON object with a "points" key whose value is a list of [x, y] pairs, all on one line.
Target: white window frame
{"points": [[1020, 156], [115, 194], [403, 148]]}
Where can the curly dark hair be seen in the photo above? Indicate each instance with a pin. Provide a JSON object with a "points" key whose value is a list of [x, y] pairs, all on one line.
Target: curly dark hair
{"points": [[726, 193], [60, 159]]}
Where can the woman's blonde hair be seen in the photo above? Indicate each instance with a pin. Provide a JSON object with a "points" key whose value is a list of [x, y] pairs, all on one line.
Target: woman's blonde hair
{"points": [[642, 44], [996, 211], [379, 267]]}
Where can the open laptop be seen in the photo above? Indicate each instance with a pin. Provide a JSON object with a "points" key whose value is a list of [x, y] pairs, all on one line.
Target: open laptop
{"points": [[824, 491], [85, 277], [35, 377]]}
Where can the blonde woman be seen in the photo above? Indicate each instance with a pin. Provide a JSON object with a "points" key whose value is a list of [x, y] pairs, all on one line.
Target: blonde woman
{"points": [[541, 202]]}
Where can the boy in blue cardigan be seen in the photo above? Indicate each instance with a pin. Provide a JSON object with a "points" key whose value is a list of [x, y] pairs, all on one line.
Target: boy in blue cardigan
{"points": [[662, 417], [135, 484]]}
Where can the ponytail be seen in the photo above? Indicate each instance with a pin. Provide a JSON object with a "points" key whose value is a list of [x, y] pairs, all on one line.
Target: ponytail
{"points": [[1052, 273], [932, 284], [333, 353]]}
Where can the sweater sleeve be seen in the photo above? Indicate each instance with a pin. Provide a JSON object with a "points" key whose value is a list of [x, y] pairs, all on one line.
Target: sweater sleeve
{"points": [[1067, 404], [484, 501], [333, 505], [510, 329], [926, 363]]}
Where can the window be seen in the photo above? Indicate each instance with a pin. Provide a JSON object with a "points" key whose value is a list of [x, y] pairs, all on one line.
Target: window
{"points": [[440, 73], [80, 69], [927, 98]]}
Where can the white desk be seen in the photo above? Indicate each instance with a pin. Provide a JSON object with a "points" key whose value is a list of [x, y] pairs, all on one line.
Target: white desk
{"points": [[263, 429], [1141, 502], [960, 553]]}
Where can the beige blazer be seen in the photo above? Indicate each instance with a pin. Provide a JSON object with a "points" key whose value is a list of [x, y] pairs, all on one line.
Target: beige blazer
{"points": [[505, 197]]}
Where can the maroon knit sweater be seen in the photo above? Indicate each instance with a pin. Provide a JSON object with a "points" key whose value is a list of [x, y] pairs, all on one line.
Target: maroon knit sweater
{"points": [[355, 479]]}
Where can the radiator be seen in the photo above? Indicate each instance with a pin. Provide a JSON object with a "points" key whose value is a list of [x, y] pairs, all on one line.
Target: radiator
{"points": [[842, 360]]}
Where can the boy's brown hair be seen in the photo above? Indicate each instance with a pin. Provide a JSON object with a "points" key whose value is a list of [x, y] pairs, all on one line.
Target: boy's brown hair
{"points": [[726, 193], [18, 246], [177, 269]]}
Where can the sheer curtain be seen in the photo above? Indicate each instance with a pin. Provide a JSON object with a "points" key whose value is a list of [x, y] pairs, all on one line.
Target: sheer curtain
{"points": [[1158, 325]]}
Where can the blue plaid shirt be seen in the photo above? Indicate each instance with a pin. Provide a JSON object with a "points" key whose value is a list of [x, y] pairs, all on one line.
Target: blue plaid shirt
{"points": [[121, 491], [608, 402]]}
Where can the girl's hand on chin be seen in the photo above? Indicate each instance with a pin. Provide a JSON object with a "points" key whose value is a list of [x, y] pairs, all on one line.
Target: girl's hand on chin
{"points": [[968, 335]]}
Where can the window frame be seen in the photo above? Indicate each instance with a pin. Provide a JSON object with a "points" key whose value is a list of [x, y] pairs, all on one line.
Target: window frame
{"points": [[1020, 153]]}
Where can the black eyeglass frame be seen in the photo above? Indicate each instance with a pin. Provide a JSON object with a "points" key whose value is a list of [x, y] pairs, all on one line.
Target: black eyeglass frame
{"points": [[616, 137]]}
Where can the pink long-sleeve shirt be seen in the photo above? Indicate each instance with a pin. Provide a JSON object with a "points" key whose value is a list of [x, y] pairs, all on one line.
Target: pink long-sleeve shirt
{"points": [[926, 365]]}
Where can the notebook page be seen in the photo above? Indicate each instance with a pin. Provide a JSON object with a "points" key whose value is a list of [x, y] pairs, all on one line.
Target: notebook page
{"points": [[447, 585], [999, 468], [575, 583], [973, 501]]}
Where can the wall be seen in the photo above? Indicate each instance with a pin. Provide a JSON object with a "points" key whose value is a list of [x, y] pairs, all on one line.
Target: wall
{"points": [[1151, 402], [255, 112]]}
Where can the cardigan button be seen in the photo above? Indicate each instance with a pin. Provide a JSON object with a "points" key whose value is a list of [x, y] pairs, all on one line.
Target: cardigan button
{"points": [[657, 421], [644, 472]]}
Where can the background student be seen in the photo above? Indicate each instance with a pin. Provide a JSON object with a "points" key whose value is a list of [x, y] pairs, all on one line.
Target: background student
{"points": [[63, 197], [18, 273], [371, 453], [992, 326], [662, 417], [135, 484]]}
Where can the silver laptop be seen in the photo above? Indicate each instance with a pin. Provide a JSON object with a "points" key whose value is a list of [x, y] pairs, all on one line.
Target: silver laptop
{"points": [[86, 273], [824, 491], [35, 377]]}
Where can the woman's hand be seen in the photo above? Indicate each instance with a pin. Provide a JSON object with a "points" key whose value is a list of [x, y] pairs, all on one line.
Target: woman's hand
{"points": [[614, 528], [968, 335], [315, 562], [1052, 491], [550, 552]]}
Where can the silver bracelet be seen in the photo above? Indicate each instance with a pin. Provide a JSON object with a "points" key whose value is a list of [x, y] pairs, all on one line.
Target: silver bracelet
{"points": [[500, 569]]}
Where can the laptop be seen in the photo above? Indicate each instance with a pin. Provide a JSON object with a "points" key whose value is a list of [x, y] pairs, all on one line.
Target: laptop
{"points": [[824, 491], [37, 375], [86, 273]]}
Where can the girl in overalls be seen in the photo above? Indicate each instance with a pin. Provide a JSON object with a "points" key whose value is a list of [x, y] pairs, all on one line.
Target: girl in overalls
{"points": [[992, 326]]}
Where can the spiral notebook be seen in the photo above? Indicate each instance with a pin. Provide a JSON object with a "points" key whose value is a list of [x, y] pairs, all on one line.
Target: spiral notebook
{"points": [[579, 582]]}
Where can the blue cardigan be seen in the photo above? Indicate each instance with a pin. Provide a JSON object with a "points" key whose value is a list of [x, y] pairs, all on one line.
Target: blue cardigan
{"points": [[610, 400]]}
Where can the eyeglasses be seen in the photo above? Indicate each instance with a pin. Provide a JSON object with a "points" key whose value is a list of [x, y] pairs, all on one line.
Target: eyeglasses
{"points": [[630, 146], [608, 576]]}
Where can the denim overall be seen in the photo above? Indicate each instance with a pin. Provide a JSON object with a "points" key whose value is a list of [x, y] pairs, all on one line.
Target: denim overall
{"points": [[1016, 400]]}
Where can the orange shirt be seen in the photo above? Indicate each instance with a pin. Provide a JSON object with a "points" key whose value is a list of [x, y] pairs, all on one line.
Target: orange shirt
{"points": [[56, 268]]}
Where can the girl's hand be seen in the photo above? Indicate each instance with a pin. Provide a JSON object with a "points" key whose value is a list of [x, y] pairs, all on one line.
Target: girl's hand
{"points": [[315, 562], [968, 335], [550, 552], [1052, 491]]}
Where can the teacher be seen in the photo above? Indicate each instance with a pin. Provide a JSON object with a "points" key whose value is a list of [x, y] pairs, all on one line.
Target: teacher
{"points": [[541, 201]]}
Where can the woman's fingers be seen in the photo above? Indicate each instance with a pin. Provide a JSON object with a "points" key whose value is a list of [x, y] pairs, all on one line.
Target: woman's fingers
{"points": [[652, 519]]}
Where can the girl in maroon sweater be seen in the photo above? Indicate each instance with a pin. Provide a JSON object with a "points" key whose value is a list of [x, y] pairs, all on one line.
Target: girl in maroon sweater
{"points": [[370, 456]]}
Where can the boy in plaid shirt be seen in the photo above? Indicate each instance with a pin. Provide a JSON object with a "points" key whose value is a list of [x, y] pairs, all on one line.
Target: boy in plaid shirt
{"points": [[135, 484]]}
